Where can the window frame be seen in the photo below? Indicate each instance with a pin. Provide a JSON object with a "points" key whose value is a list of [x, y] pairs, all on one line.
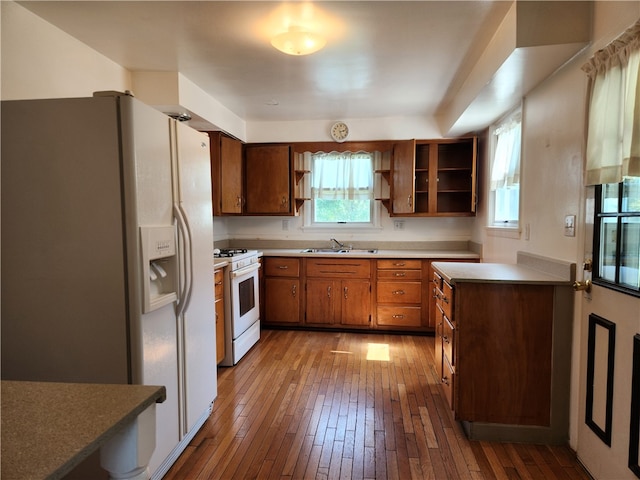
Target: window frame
{"points": [[512, 226], [619, 215], [374, 210]]}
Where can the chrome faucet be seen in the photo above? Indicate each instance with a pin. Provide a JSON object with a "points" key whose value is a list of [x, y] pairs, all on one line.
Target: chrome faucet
{"points": [[335, 244]]}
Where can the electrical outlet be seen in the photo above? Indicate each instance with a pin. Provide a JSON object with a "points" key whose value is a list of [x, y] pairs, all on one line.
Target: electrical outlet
{"points": [[398, 224]]}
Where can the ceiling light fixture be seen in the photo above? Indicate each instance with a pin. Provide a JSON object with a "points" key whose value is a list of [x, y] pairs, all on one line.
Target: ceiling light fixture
{"points": [[298, 41]]}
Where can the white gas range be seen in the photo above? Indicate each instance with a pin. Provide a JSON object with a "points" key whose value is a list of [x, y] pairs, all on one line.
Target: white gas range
{"points": [[242, 303]]}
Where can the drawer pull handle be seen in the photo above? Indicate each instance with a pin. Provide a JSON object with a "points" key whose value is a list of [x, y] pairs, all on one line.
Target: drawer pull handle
{"points": [[399, 264], [445, 339], [329, 292], [400, 274], [395, 292], [445, 299], [445, 380], [293, 290], [217, 284], [398, 315], [345, 291], [283, 267]]}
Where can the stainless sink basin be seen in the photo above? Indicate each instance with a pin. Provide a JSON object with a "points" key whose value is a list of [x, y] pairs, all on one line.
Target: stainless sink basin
{"points": [[340, 250]]}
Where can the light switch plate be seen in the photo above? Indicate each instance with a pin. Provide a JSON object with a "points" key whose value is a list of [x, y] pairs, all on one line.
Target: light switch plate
{"points": [[570, 226]]}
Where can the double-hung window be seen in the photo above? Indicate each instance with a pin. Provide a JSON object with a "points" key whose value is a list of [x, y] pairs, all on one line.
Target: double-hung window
{"points": [[342, 186], [504, 199]]}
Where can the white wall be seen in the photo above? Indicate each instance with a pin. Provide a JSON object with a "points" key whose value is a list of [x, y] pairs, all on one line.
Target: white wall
{"points": [[41, 61]]}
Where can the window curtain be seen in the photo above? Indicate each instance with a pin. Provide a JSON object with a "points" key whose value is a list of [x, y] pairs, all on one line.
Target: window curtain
{"points": [[505, 170], [342, 175], [613, 124]]}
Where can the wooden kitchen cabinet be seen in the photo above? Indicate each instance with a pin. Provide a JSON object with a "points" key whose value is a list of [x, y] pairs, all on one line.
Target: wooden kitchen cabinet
{"points": [[338, 292], [400, 294], [268, 180], [282, 291], [218, 282], [495, 342], [226, 174], [434, 177]]}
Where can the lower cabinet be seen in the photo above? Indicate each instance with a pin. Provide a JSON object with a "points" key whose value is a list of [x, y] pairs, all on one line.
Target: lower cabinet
{"points": [[338, 292], [494, 345], [400, 294], [282, 292], [218, 282]]}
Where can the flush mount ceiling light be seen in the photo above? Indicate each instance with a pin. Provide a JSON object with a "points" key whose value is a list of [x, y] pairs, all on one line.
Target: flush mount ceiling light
{"points": [[298, 41]]}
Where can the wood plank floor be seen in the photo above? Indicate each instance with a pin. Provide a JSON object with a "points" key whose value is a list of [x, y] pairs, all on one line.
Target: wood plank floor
{"points": [[312, 405]]}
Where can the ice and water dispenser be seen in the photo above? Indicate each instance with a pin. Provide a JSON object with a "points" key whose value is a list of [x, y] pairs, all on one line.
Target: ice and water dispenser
{"points": [[159, 265]]}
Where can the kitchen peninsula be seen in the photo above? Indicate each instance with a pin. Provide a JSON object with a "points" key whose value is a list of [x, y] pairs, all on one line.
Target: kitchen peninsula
{"points": [[503, 347], [49, 428]]}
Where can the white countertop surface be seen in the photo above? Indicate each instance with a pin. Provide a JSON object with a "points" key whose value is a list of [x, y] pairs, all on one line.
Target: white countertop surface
{"points": [[423, 254], [458, 272]]}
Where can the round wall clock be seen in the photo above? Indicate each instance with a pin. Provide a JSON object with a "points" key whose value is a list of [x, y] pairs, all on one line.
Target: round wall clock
{"points": [[339, 131]]}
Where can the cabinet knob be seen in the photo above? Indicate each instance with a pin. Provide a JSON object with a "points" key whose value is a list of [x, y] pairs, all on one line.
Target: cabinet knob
{"points": [[445, 339], [445, 380]]}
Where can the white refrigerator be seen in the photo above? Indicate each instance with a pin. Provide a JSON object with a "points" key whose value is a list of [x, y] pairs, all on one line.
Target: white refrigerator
{"points": [[107, 254]]}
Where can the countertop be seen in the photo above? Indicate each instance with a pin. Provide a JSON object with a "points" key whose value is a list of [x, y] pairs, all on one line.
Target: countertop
{"points": [[49, 428], [423, 254], [458, 272]]}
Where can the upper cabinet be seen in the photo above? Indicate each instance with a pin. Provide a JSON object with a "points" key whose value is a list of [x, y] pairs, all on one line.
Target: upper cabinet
{"points": [[226, 174], [434, 177], [250, 179], [268, 179]]}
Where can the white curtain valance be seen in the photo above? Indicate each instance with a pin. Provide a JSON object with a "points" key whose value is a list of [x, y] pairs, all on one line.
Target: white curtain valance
{"points": [[613, 125], [342, 175]]}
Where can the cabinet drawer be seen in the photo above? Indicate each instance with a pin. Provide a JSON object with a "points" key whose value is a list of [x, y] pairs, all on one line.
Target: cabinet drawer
{"points": [[437, 281], [399, 292], [399, 316], [399, 264], [447, 301], [337, 268], [399, 274], [281, 267], [448, 340], [447, 381], [218, 284]]}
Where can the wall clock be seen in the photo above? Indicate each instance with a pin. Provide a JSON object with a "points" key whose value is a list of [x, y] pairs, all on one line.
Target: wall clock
{"points": [[339, 131]]}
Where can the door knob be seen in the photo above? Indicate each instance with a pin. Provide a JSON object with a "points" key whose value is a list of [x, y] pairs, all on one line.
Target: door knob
{"points": [[582, 286]]}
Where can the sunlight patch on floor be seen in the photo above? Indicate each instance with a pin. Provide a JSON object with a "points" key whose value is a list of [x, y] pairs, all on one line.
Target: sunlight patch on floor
{"points": [[378, 351]]}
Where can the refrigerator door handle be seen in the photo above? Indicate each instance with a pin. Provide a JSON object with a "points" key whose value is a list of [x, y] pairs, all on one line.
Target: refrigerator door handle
{"points": [[188, 256], [185, 264]]}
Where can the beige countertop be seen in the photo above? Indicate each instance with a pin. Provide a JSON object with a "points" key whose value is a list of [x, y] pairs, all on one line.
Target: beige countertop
{"points": [[423, 254], [49, 428], [457, 272]]}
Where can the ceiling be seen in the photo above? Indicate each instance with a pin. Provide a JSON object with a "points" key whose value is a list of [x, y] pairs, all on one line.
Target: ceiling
{"points": [[382, 59]]}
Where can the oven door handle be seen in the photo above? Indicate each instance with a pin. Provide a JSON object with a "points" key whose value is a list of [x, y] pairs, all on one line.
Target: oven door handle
{"points": [[245, 270]]}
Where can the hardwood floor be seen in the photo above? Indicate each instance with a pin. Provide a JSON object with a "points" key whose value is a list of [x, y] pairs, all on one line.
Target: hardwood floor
{"points": [[312, 405]]}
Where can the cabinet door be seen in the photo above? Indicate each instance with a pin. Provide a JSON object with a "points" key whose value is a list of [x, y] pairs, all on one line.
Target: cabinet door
{"points": [[268, 179], [282, 300], [230, 175], [356, 302], [403, 174], [219, 307], [321, 301]]}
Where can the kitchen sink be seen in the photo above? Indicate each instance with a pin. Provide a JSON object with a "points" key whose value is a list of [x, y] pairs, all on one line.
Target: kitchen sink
{"points": [[340, 250]]}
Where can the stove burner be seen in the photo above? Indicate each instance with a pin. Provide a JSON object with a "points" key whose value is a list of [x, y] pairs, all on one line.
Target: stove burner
{"points": [[229, 252]]}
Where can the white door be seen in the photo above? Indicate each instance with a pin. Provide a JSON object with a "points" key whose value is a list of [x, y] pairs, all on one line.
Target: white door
{"points": [[198, 321], [608, 322]]}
